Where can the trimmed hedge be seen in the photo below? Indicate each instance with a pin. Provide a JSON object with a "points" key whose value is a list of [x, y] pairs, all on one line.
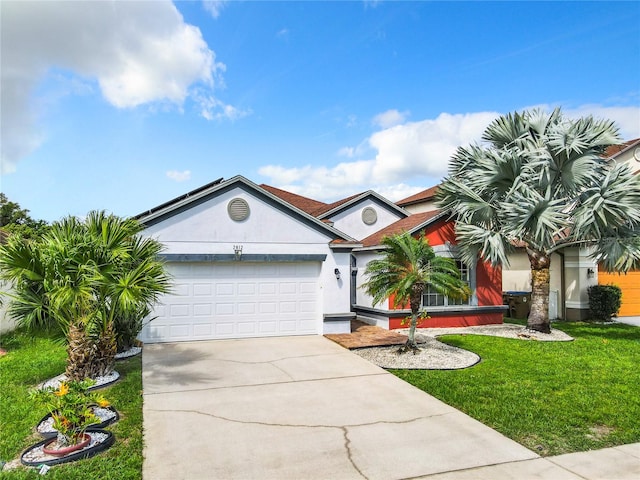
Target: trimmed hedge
{"points": [[604, 301]]}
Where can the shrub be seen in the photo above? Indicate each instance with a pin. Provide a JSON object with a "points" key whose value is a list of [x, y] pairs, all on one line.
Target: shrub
{"points": [[604, 301]]}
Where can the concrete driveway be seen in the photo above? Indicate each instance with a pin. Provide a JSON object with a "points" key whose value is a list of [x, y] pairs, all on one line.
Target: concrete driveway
{"points": [[304, 408]]}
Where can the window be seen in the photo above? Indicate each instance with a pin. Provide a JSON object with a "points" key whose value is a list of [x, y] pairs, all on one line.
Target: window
{"points": [[431, 298]]}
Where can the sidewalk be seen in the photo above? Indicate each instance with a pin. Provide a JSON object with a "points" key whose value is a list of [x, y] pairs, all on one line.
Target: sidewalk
{"points": [[616, 463]]}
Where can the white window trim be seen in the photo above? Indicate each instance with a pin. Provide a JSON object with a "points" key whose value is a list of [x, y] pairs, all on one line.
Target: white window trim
{"points": [[451, 251]]}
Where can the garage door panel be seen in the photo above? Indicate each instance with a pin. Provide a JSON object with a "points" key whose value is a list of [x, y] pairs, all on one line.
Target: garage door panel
{"points": [[237, 300], [202, 289]]}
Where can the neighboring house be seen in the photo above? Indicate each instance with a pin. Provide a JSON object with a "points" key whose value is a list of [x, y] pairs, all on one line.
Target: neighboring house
{"points": [[628, 153], [572, 271], [253, 260]]}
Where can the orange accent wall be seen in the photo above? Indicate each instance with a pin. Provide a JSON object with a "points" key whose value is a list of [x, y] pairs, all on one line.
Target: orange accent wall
{"points": [[629, 283]]}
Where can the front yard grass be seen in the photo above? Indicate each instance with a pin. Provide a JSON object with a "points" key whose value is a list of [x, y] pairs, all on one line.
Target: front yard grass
{"points": [[33, 358], [552, 397]]}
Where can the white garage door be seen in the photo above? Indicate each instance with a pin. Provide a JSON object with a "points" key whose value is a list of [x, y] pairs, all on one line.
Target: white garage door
{"points": [[236, 300]]}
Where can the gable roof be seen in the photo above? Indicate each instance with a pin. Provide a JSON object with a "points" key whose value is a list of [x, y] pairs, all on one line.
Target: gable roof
{"points": [[348, 202], [323, 210], [419, 197], [210, 190], [615, 150], [411, 224]]}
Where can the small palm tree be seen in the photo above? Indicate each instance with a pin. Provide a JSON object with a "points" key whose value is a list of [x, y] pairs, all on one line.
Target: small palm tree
{"points": [[87, 277], [542, 182], [408, 267]]}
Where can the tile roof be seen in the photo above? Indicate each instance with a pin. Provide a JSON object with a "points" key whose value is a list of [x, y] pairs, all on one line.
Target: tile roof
{"points": [[615, 149], [308, 205], [407, 224], [422, 196]]}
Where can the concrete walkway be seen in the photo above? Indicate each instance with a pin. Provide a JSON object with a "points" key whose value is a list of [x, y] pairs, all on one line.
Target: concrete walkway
{"points": [[305, 408]]}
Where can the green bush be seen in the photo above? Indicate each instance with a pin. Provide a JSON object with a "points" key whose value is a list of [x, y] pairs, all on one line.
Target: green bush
{"points": [[604, 301]]}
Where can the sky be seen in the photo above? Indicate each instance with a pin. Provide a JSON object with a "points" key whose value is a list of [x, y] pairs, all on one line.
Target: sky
{"points": [[121, 106]]}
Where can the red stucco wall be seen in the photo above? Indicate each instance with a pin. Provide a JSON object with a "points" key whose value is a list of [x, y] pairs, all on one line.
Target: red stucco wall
{"points": [[488, 289]]}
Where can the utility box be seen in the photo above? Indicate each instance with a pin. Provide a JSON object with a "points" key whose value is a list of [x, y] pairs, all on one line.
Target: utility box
{"points": [[519, 303]]}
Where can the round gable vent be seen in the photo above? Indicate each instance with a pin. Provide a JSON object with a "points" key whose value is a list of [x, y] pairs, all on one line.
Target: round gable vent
{"points": [[369, 216], [238, 209]]}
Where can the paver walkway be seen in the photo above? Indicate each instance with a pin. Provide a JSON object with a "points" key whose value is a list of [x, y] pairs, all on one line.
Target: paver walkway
{"points": [[363, 335]]}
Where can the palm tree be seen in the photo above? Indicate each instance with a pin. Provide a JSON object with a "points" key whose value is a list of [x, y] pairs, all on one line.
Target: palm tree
{"points": [[408, 267], [86, 277], [542, 182]]}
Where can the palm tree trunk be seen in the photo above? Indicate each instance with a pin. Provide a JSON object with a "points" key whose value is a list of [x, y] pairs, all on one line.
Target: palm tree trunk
{"points": [[105, 352], [540, 278], [79, 353]]}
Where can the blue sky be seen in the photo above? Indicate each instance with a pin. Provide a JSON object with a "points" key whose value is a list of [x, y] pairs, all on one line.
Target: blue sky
{"points": [[122, 106]]}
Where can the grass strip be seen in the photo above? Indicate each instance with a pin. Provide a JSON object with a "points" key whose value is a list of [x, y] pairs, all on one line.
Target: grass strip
{"points": [[33, 358], [552, 397]]}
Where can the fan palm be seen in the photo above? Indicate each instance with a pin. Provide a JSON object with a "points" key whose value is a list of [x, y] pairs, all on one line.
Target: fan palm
{"points": [[408, 267], [87, 277], [542, 182]]}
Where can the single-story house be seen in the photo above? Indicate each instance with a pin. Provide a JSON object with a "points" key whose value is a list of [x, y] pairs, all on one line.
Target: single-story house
{"points": [[253, 260]]}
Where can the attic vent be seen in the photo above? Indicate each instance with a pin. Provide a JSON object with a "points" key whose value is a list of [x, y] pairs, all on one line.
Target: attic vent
{"points": [[238, 209], [369, 216]]}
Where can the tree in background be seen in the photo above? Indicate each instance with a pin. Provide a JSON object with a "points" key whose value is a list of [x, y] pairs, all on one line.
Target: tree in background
{"points": [[408, 267], [17, 221], [541, 181]]}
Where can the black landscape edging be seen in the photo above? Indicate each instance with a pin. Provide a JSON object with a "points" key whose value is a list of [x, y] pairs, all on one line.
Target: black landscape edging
{"points": [[82, 454]]}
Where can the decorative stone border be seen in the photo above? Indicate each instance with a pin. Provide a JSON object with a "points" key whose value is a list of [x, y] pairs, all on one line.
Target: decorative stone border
{"points": [[101, 382]]}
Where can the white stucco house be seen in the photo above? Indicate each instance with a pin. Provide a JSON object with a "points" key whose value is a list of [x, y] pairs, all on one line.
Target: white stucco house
{"points": [[252, 260], [246, 263]]}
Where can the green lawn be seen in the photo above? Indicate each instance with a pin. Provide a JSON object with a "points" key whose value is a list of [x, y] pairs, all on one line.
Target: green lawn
{"points": [[552, 397], [34, 358]]}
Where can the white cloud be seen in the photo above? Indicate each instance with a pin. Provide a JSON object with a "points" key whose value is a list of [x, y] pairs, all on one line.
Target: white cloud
{"points": [[137, 52], [390, 118], [626, 118], [414, 152], [179, 176], [211, 108], [214, 7]]}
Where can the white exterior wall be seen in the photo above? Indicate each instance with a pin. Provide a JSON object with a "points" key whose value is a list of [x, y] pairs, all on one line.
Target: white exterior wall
{"points": [[362, 298], [429, 206], [577, 265], [208, 229], [350, 220], [517, 277], [7, 323], [631, 157]]}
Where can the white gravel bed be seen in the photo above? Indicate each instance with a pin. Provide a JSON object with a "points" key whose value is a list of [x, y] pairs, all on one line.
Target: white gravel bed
{"points": [[103, 415], [435, 355], [100, 381], [133, 351], [37, 455], [505, 330]]}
